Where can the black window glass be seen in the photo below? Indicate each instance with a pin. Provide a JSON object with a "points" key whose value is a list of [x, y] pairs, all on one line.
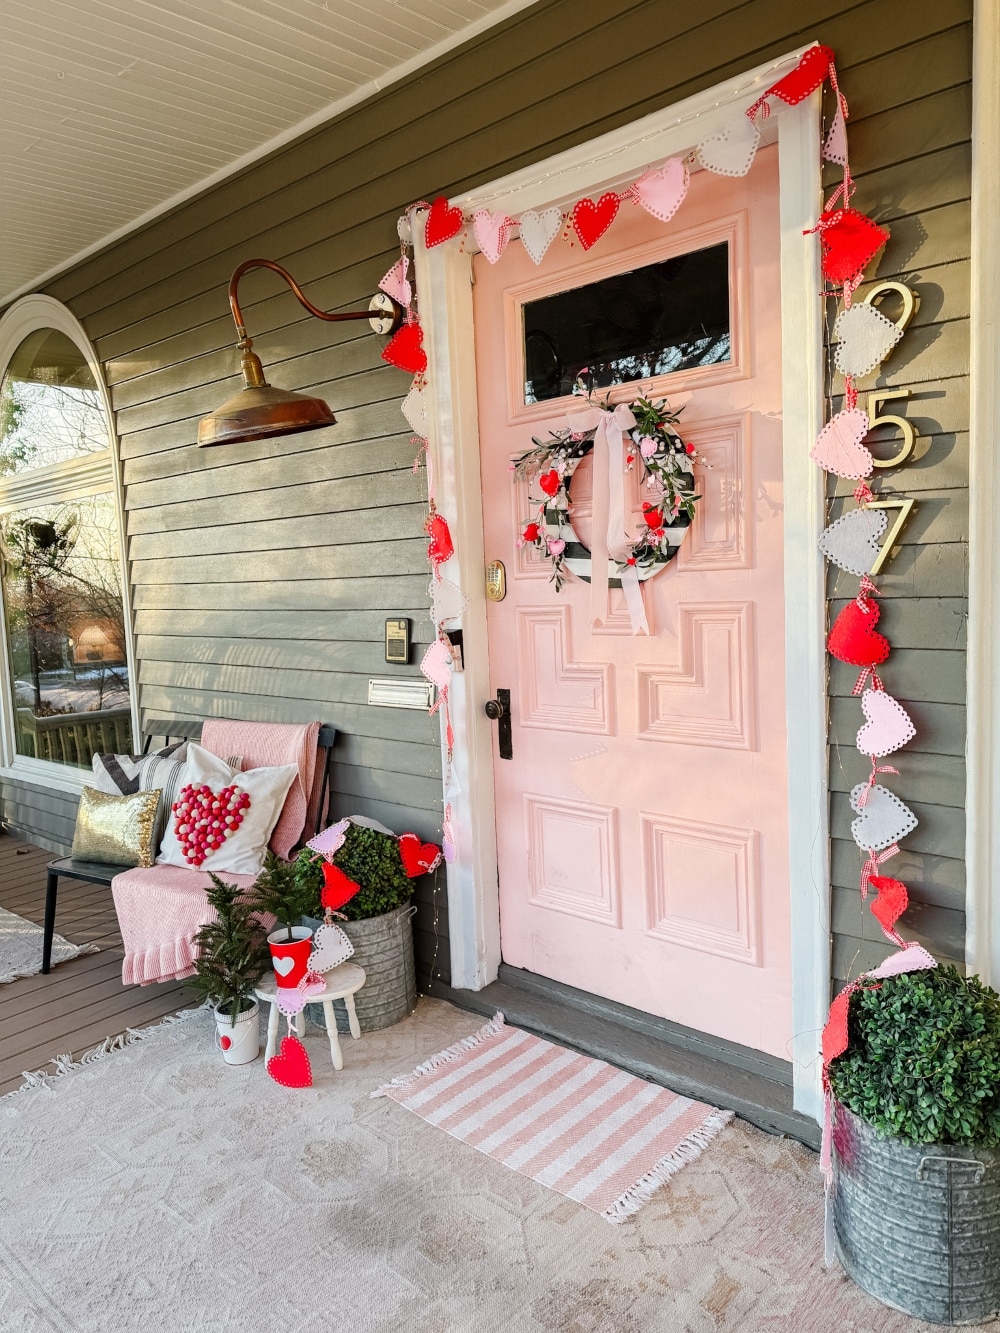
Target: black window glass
{"points": [[662, 318]]}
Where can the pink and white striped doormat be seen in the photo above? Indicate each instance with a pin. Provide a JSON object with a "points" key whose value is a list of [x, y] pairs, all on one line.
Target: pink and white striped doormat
{"points": [[600, 1136]]}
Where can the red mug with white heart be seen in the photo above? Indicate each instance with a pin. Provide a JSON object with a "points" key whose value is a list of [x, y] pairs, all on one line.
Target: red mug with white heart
{"points": [[290, 957]]}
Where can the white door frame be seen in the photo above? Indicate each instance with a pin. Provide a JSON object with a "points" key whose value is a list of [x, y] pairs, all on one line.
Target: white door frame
{"points": [[444, 283]]}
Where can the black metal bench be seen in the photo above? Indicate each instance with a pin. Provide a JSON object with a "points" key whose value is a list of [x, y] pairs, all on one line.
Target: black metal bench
{"points": [[91, 872]]}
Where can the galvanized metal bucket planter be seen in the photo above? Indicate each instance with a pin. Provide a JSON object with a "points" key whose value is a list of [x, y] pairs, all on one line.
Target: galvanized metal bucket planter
{"points": [[383, 946], [918, 1225]]}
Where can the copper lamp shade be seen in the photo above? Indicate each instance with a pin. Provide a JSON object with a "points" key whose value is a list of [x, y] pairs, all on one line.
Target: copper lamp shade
{"points": [[261, 411]]}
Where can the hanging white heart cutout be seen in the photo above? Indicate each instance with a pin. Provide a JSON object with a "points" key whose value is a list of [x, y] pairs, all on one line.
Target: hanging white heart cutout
{"points": [[864, 339], [731, 152], [883, 819], [539, 230], [852, 541]]}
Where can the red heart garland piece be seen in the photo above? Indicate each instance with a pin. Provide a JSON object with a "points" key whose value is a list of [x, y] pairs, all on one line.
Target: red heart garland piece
{"points": [[805, 78], [440, 547], [653, 517], [291, 1067], [405, 349], [549, 482], [591, 221], [892, 900], [835, 1038], [850, 241], [338, 888], [419, 858], [443, 222], [854, 639], [204, 819]]}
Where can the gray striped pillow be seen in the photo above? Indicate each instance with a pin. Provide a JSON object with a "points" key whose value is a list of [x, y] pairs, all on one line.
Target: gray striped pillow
{"points": [[162, 770]]}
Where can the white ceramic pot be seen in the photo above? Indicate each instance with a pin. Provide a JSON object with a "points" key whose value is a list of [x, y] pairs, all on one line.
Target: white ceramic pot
{"points": [[239, 1042]]}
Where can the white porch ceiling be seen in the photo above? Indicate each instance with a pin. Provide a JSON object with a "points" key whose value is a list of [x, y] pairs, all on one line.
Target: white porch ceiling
{"points": [[112, 111]]}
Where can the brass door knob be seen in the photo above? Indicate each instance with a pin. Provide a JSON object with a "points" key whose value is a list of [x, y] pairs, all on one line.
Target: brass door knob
{"points": [[494, 710]]}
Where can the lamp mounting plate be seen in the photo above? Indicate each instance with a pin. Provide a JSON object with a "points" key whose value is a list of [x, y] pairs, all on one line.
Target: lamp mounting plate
{"points": [[384, 316]]}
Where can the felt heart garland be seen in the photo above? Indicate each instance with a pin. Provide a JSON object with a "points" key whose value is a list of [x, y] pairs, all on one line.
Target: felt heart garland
{"points": [[538, 231], [338, 888], [888, 728], [331, 946], [291, 1067], [406, 349], [805, 78], [883, 819], [440, 547], [395, 284], [731, 152], [662, 192], [838, 448], [419, 858], [852, 541], [890, 904], [492, 231], [591, 220], [854, 639], [850, 241], [865, 338], [443, 222]]}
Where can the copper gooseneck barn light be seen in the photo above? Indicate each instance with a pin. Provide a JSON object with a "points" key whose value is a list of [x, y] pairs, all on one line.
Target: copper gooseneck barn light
{"points": [[259, 410]]}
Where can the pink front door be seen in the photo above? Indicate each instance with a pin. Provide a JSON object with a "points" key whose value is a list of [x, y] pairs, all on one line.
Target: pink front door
{"points": [[642, 820]]}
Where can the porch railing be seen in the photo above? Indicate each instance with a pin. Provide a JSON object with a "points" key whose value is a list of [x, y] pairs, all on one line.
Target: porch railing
{"points": [[74, 738]]}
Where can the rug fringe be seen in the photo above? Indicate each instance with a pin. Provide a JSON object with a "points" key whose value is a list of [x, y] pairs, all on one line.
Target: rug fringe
{"points": [[629, 1203], [65, 1064], [79, 951], [490, 1029]]}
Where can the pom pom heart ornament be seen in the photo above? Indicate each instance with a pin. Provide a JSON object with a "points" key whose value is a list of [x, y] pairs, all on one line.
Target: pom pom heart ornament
{"points": [[882, 820], [854, 639], [338, 888], [662, 192], [852, 541], [864, 339], [590, 221], [419, 858], [405, 349], [888, 727], [492, 231], [838, 448], [331, 947], [538, 231], [443, 222], [291, 1067], [731, 152], [850, 241], [204, 819]]}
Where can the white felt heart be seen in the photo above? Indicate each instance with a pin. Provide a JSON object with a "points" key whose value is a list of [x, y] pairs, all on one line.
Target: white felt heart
{"points": [[539, 230], [662, 192], [852, 541], [449, 601], [395, 284], [492, 231], [331, 947], [283, 965], [865, 339], [838, 448], [889, 726], [403, 229], [414, 408], [731, 152], [883, 820]]}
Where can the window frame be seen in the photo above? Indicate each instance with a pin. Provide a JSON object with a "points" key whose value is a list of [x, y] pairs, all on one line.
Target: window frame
{"points": [[74, 478]]}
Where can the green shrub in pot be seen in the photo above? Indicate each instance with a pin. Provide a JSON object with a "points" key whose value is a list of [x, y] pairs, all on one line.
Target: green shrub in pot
{"points": [[916, 1144], [232, 955]]}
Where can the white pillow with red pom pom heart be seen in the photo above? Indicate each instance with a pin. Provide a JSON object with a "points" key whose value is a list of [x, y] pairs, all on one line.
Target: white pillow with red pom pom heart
{"points": [[245, 819]]}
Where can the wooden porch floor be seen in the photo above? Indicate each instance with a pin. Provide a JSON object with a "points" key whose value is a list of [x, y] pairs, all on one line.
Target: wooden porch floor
{"points": [[80, 1002]]}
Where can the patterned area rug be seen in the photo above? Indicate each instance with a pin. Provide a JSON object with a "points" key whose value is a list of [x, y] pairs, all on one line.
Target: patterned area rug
{"points": [[21, 947], [600, 1136], [159, 1189]]}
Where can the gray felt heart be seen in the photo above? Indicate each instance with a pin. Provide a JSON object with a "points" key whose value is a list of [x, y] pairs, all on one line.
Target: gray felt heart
{"points": [[883, 820], [852, 541]]}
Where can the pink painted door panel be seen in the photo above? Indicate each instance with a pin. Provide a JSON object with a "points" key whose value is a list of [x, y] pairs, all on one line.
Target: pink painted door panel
{"points": [[642, 822]]}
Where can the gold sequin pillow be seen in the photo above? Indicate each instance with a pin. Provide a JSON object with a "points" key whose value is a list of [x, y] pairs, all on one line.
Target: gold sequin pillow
{"points": [[116, 830]]}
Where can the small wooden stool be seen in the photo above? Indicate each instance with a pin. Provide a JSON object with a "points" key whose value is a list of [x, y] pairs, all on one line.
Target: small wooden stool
{"points": [[341, 983]]}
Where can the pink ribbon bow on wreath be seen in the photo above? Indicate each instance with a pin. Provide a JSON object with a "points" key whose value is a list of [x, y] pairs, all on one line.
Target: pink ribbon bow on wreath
{"points": [[609, 539]]}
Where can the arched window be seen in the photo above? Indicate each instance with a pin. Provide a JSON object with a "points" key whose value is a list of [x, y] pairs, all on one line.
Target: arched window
{"points": [[67, 669]]}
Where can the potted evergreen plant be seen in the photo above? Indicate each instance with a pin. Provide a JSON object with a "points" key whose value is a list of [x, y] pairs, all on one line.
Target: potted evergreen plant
{"points": [[281, 891], [916, 1145], [232, 955], [378, 920]]}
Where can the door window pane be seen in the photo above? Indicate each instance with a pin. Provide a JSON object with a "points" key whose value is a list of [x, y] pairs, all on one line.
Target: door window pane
{"points": [[66, 632], [664, 317], [50, 406]]}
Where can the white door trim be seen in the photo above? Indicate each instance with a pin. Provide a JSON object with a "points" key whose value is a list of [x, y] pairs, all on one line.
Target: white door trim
{"points": [[444, 283], [982, 847]]}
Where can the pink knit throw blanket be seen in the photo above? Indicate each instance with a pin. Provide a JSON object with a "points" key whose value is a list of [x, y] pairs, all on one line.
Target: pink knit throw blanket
{"points": [[160, 910]]}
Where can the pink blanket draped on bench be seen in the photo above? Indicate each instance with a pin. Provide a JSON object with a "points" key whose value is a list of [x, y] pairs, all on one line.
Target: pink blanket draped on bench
{"points": [[161, 909]]}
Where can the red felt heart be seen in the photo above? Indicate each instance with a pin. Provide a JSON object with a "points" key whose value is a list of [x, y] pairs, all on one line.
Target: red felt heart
{"points": [[591, 221], [338, 888], [419, 858], [549, 482], [850, 241], [892, 900], [440, 547], [835, 1037], [805, 78], [291, 1067], [405, 349], [854, 639], [204, 819], [443, 222], [653, 517]]}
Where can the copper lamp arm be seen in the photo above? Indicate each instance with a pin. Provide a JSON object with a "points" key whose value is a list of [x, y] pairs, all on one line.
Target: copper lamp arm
{"points": [[300, 296]]}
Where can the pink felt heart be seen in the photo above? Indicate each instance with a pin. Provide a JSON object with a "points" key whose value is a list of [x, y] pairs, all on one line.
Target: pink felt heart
{"points": [[914, 958], [492, 231], [888, 727], [436, 664], [662, 192], [556, 545], [395, 283], [838, 448]]}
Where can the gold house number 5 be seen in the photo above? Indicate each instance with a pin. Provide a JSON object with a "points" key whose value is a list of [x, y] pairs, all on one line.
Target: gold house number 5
{"points": [[875, 400]]}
